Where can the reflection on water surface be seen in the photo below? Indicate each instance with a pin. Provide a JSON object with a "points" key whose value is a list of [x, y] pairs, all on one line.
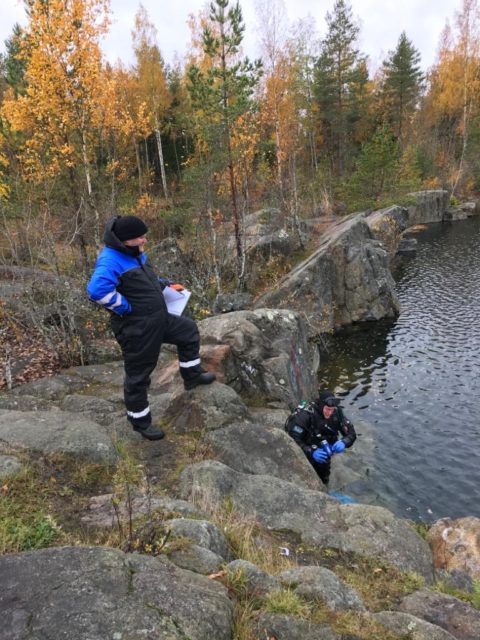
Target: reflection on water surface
{"points": [[416, 382]]}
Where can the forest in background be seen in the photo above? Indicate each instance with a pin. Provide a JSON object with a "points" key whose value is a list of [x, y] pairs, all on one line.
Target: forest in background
{"points": [[194, 148]]}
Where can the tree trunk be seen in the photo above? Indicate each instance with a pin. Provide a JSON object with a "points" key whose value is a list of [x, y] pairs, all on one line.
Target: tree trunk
{"points": [[213, 235], [294, 207], [465, 112], [86, 168], [231, 172], [139, 167], [158, 138], [78, 232]]}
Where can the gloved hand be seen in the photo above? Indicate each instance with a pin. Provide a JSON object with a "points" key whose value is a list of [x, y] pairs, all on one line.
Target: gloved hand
{"points": [[320, 455], [338, 447], [177, 287]]}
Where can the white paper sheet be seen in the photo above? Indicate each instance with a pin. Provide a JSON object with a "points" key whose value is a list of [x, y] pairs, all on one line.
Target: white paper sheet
{"points": [[176, 301]]}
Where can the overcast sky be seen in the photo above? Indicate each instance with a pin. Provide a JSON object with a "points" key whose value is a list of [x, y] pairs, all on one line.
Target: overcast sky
{"points": [[381, 21]]}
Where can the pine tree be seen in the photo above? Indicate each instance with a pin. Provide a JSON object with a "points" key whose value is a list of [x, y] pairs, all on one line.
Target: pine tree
{"points": [[402, 85], [340, 78], [221, 92]]}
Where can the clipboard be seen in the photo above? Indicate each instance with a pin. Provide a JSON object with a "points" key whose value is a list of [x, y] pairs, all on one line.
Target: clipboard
{"points": [[176, 301]]}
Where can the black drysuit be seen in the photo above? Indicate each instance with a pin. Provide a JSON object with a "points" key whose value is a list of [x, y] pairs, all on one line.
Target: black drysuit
{"points": [[308, 427], [126, 284]]}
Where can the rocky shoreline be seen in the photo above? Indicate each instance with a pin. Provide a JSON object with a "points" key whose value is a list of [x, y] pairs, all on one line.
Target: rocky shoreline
{"points": [[161, 551]]}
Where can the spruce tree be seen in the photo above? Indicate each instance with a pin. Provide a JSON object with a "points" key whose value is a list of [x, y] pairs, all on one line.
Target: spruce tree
{"points": [[376, 170], [221, 93], [340, 78], [383, 174], [14, 63], [402, 85]]}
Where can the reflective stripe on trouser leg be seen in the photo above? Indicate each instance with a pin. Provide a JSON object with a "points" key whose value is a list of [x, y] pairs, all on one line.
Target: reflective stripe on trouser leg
{"points": [[138, 414], [140, 419], [190, 363]]}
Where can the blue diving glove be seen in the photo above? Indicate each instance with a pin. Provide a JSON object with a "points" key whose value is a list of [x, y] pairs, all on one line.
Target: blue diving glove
{"points": [[320, 455], [338, 447]]}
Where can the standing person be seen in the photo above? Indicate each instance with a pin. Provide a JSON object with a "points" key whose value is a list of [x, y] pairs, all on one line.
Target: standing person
{"points": [[321, 430], [125, 283]]}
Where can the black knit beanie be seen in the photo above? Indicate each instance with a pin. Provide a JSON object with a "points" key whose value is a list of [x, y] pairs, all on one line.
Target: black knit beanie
{"points": [[129, 227]]}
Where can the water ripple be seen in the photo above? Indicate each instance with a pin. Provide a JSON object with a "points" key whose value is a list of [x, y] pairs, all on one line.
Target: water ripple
{"points": [[417, 381]]}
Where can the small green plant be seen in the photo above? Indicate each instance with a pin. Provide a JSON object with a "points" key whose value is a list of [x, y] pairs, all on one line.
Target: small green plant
{"points": [[127, 482], [238, 583], [476, 594], [472, 597], [288, 602], [42, 532], [421, 528]]}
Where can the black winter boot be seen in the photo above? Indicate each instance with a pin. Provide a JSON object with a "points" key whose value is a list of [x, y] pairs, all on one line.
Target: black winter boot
{"points": [[145, 428], [150, 433], [198, 378]]}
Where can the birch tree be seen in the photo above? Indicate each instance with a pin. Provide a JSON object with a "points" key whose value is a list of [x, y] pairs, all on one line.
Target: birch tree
{"points": [[150, 73], [58, 111]]}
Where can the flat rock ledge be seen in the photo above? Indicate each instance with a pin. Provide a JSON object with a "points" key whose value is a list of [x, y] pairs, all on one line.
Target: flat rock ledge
{"points": [[98, 593], [56, 432], [317, 518]]}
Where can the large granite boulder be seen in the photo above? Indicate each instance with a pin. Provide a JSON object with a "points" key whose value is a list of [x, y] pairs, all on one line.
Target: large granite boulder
{"points": [[387, 226], [97, 409], [455, 616], [9, 466], [283, 627], [411, 627], [106, 375], [204, 408], [171, 262], [430, 206], [314, 516], [274, 361], [462, 211], [106, 511], [257, 582], [202, 532], [228, 302], [99, 593], [51, 388], [56, 432], [318, 583], [255, 448], [347, 279], [456, 545], [195, 558], [266, 235], [24, 402]]}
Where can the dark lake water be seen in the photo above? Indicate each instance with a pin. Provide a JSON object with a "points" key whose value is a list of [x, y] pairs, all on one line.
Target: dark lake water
{"points": [[415, 383]]}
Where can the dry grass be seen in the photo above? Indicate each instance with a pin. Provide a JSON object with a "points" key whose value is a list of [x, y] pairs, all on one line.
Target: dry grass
{"points": [[40, 505]]}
